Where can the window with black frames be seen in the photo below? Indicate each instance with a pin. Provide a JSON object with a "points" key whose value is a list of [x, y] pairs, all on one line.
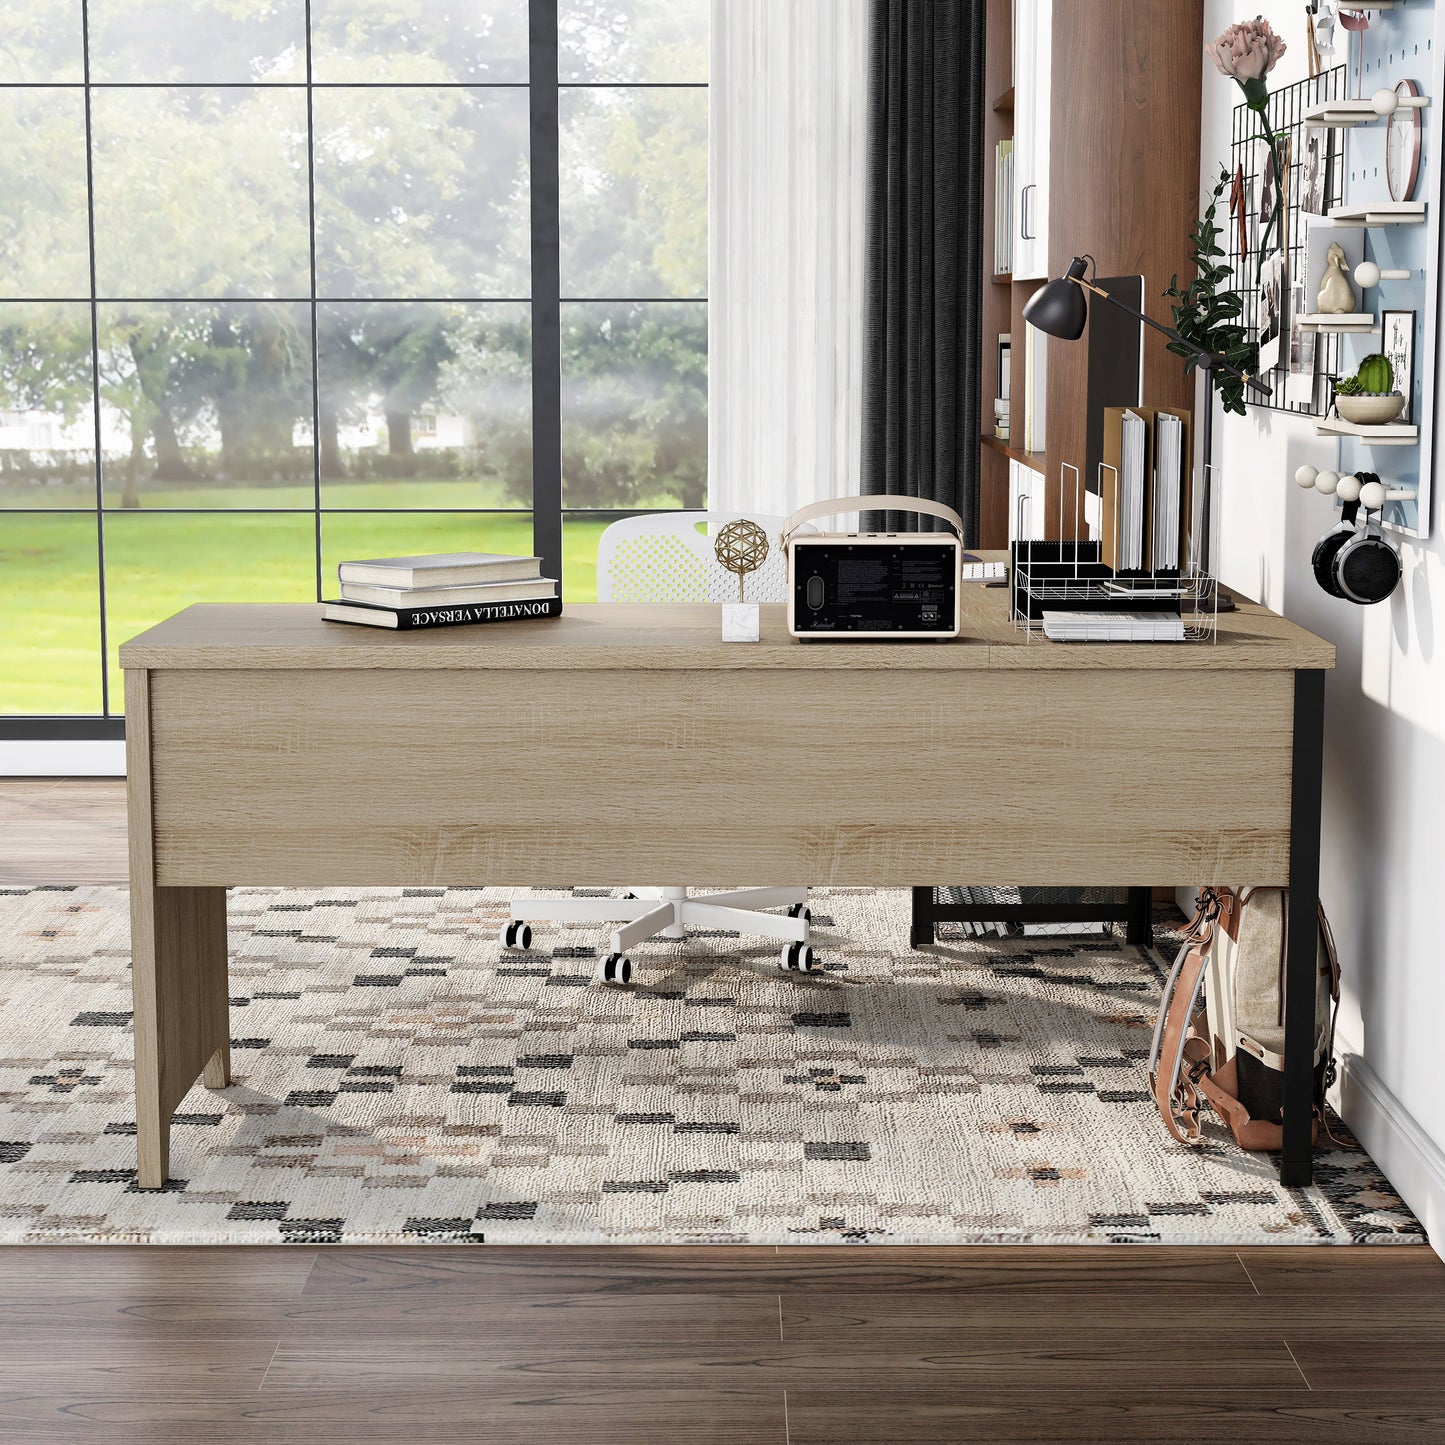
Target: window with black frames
{"points": [[287, 282]]}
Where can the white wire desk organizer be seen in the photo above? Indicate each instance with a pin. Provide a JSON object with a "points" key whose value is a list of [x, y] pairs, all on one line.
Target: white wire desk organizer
{"points": [[1068, 575]]}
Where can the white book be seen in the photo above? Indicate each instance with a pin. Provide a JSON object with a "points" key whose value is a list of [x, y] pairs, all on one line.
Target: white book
{"points": [[445, 569], [537, 589], [1168, 479], [1131, 484]]}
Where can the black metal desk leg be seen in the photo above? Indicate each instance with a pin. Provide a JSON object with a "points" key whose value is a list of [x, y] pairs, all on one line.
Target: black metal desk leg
{"points": [[1296, 1167], [1140, 927], [920, 931]]}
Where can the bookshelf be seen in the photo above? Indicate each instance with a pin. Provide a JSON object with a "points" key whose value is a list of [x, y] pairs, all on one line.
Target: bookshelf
{"points": [[1104, 159]]}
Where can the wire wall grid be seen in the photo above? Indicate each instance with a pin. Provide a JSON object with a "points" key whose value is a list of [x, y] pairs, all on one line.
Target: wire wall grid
{"points": [[1049, 578], [1281, 290]]}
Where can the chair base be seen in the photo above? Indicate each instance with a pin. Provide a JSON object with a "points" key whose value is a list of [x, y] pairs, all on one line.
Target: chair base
{"points": [[670, 912]]}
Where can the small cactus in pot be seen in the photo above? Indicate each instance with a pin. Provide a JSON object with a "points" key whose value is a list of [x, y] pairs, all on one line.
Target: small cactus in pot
{"points": [[1375, 375], [1367, 398]]}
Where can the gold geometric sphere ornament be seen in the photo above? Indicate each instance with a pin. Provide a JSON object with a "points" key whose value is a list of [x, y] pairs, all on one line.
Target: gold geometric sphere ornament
{"points": [[741, 547]]}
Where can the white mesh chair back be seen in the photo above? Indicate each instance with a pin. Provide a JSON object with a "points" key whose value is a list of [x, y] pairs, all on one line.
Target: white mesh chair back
{"points": [[668, 558]]}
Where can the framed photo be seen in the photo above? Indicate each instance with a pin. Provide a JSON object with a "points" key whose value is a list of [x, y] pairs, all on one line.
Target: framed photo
{"points": [[1299, 386], [1314, 188], [1273, 302], [1397, 330]]}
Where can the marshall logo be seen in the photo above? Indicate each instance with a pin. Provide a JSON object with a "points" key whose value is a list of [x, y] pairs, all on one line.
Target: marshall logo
{"points": [[498, 612]]}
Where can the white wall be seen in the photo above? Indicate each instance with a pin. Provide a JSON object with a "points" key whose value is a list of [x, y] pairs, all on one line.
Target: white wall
{"points": [[1383, 864]]}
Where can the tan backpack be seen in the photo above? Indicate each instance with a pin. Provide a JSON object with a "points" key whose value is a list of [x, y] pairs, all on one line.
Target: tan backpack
{"points": [[1229, 1053]]}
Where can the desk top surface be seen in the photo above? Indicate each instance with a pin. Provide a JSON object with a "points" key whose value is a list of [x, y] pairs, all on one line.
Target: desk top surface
{"points": [[589, 635]]}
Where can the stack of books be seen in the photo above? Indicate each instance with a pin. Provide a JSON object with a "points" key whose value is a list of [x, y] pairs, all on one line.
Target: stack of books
{"points": [[443, 591]]}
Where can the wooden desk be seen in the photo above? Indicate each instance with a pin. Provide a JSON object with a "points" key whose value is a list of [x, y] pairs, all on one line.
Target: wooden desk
{"points": [[265, 746]]}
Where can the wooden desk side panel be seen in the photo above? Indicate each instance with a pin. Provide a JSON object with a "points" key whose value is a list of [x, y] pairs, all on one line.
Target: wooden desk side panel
{"points": [[700, 778]]}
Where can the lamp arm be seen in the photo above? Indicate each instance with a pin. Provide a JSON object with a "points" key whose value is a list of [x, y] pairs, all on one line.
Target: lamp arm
{"points": [[1215, 362]]}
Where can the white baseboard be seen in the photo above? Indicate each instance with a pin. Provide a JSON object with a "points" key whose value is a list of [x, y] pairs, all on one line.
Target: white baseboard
{"points": [[63, 758], [1407, 1156]]}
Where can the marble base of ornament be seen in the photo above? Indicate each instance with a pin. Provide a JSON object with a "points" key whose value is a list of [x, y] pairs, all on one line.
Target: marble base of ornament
{"points": [[740, 622]]}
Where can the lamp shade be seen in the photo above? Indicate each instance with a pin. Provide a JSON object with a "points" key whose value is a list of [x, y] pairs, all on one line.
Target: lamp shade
{"points": [[1060, 308]]}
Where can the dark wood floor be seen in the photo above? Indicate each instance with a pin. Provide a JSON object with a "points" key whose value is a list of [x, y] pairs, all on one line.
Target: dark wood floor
{"points": [[817, 1346]]}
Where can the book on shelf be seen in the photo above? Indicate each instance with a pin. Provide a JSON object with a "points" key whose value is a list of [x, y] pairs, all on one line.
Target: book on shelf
{"points": [[406, 619], [445, 569], [536, 589], [1003, 208]]}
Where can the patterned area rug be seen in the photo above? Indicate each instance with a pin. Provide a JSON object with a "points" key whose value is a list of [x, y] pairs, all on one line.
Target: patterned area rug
{"points": [[400, 1078]]}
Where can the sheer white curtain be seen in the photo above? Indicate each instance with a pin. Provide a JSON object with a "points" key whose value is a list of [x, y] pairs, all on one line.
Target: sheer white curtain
{"points": [[788, 107]]}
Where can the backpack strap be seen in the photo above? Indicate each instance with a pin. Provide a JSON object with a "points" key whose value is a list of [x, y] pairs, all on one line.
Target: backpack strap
{"points": [[1173, 1081]]}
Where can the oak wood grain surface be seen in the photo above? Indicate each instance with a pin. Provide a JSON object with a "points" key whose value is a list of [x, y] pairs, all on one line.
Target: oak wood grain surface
{"points": [[556, 778], [594, 635]]}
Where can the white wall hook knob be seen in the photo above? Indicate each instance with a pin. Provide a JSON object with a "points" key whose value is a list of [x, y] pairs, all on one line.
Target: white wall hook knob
{"points": [[1326, 482], [1372, 496], [1305, 476], [1367, 274], [1347, 489], [1385, 101]]}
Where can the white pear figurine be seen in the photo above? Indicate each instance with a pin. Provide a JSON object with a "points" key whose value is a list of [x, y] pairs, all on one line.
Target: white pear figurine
{"points": [[1337, 296]]}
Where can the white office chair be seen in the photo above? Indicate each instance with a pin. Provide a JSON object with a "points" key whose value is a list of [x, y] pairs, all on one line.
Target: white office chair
{"points": [[668, 558]]}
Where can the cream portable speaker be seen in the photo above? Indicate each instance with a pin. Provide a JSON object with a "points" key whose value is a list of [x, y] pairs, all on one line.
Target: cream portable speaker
{"points": [[856, 585]]}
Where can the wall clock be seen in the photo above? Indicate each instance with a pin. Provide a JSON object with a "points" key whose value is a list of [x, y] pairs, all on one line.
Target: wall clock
{"points": [[1402, 145]]}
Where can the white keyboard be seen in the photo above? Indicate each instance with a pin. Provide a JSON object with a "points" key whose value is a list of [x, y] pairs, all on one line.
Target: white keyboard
{"points": [[985, 571]]}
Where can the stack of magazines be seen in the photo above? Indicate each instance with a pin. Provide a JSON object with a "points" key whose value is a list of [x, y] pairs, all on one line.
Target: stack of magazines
{"points": [[443, 591], [1131, 626]]}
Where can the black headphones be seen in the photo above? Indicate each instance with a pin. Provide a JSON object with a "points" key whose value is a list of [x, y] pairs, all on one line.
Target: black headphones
{"points": [[1355, 562]]}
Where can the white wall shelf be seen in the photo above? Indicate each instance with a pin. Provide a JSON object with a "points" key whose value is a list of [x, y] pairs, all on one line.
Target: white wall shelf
{"points": [[1393, 434], [1380, 213], [1350, 321], [1348, 114]]}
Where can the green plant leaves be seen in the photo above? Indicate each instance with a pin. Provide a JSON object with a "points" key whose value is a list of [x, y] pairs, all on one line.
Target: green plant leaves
{"points": [[1207, 311]]}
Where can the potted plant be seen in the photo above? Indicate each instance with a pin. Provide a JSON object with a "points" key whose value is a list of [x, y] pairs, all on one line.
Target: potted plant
{"points": [[1368, 397]]}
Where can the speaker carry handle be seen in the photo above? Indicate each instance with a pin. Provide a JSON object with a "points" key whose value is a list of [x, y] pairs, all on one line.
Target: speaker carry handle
{"points": [[882, 501]]}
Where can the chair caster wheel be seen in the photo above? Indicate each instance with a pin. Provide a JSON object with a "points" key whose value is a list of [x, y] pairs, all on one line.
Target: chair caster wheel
{"points": [[800, 910], [615, 969], [517, 934], [797, 958]]}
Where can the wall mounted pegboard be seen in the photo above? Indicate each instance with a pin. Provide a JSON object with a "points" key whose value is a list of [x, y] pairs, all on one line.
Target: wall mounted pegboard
{"points": [[1297, 383], [1400, 43]]}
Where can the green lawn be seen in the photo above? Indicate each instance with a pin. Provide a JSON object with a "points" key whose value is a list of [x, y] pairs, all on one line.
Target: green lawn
{"points": [[157, 564]]}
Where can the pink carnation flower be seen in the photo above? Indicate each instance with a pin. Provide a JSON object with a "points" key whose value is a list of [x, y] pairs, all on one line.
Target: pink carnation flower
{"points": [[1247, 51]]}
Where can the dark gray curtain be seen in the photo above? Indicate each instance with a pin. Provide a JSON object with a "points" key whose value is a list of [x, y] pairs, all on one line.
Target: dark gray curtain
{"points": [[924, 258]]}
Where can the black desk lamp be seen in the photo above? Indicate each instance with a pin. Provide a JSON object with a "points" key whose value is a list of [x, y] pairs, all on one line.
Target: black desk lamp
{"points": [[1061, 308]]}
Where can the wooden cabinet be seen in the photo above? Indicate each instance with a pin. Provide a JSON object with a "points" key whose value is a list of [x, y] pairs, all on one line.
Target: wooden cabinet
{"points": [[1026, 493], [1101, 103]]}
